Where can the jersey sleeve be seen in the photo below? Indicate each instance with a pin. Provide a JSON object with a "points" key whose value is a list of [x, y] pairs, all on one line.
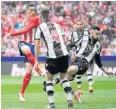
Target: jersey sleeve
{"points": [[71, 39], [32, 24], [97, 58]]}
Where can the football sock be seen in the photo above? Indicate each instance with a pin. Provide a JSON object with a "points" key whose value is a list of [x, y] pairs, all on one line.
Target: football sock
{"points": [[78, 80], [90, 79], [26, 81], [67, 88], [50, 91], [31, 58]]}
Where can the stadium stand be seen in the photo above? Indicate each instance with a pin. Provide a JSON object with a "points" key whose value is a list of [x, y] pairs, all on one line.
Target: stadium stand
{"points": [[100, 13]]}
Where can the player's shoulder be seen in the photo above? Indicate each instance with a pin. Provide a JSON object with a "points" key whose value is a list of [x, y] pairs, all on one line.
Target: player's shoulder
{"points": [[98, 43], [42, 24], [56, 25], [35, 18], [74, 31], [85, 29]]}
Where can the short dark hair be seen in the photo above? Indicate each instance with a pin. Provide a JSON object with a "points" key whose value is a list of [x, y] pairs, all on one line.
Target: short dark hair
{"points": [[44, 13], [79, 20], [31, 4], [95, 28]]}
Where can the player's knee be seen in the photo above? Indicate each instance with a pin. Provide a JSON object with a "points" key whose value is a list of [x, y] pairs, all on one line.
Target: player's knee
{"points": [[29, 69], [69, 77], [72, 70], [25, 49], [62, 75], [50, 76]]}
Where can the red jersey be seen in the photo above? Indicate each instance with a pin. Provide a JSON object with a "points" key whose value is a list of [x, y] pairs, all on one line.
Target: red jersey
{"points": [[29, 28]]}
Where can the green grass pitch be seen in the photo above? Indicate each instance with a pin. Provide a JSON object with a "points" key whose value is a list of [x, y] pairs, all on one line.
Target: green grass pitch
{"points": [[103, 97]]}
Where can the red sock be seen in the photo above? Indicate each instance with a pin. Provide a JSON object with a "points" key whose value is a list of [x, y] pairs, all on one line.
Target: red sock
{"points": [[31, 58], [26, 81]]}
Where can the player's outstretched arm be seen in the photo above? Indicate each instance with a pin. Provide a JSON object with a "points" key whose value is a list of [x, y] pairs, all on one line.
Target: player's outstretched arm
{"points": [[107, 72], [99, 63], [32, 24]]}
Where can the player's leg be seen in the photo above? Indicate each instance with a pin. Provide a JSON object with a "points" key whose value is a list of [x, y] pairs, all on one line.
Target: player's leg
{"points": [[50, 90], [80, 68], [71, 72], [56, 80], [26, 80], [90, 79], [64, 82], [67, 88], [79, 81], [28, 51], [51, 67]]}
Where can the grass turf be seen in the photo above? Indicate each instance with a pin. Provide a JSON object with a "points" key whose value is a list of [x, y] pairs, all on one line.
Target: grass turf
{"points": [[103, 97]]}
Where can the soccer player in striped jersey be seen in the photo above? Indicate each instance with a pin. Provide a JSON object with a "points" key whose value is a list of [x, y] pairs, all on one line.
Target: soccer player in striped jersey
{"points": [[57, 56], [74, 45], [88, 53], [26, 45], [76, 38]]}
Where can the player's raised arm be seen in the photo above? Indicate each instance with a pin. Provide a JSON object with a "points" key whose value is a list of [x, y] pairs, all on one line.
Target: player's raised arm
{"points": [[34, 22]]}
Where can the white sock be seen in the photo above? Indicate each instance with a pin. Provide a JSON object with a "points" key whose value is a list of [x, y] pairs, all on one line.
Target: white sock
{"points": [[69, 96], [51, 99]]}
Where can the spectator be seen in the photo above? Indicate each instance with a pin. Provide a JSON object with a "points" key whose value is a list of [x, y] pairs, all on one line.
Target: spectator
{"points": [[100, 13]]}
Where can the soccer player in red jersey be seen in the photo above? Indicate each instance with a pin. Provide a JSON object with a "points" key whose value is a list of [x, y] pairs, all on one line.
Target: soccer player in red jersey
{"points": [[26, 45]]}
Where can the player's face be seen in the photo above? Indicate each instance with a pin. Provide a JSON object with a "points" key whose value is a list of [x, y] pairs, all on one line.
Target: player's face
{"points": [[95, 34], [31, 11], [80, 25]]}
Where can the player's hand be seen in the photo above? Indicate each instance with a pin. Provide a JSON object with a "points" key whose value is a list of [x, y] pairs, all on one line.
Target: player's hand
{"points": [[8, 36], [110, 74], [73, 58], [36, 64], [37, 69]]}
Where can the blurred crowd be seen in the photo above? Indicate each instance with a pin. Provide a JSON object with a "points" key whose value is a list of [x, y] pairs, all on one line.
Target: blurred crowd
{"points": [[100, 13]]}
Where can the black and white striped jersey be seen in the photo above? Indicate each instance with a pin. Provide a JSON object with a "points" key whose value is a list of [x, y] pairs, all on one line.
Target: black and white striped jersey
{"points": [[51, 34], [89, 49], [76, 38], [85, 47]]}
